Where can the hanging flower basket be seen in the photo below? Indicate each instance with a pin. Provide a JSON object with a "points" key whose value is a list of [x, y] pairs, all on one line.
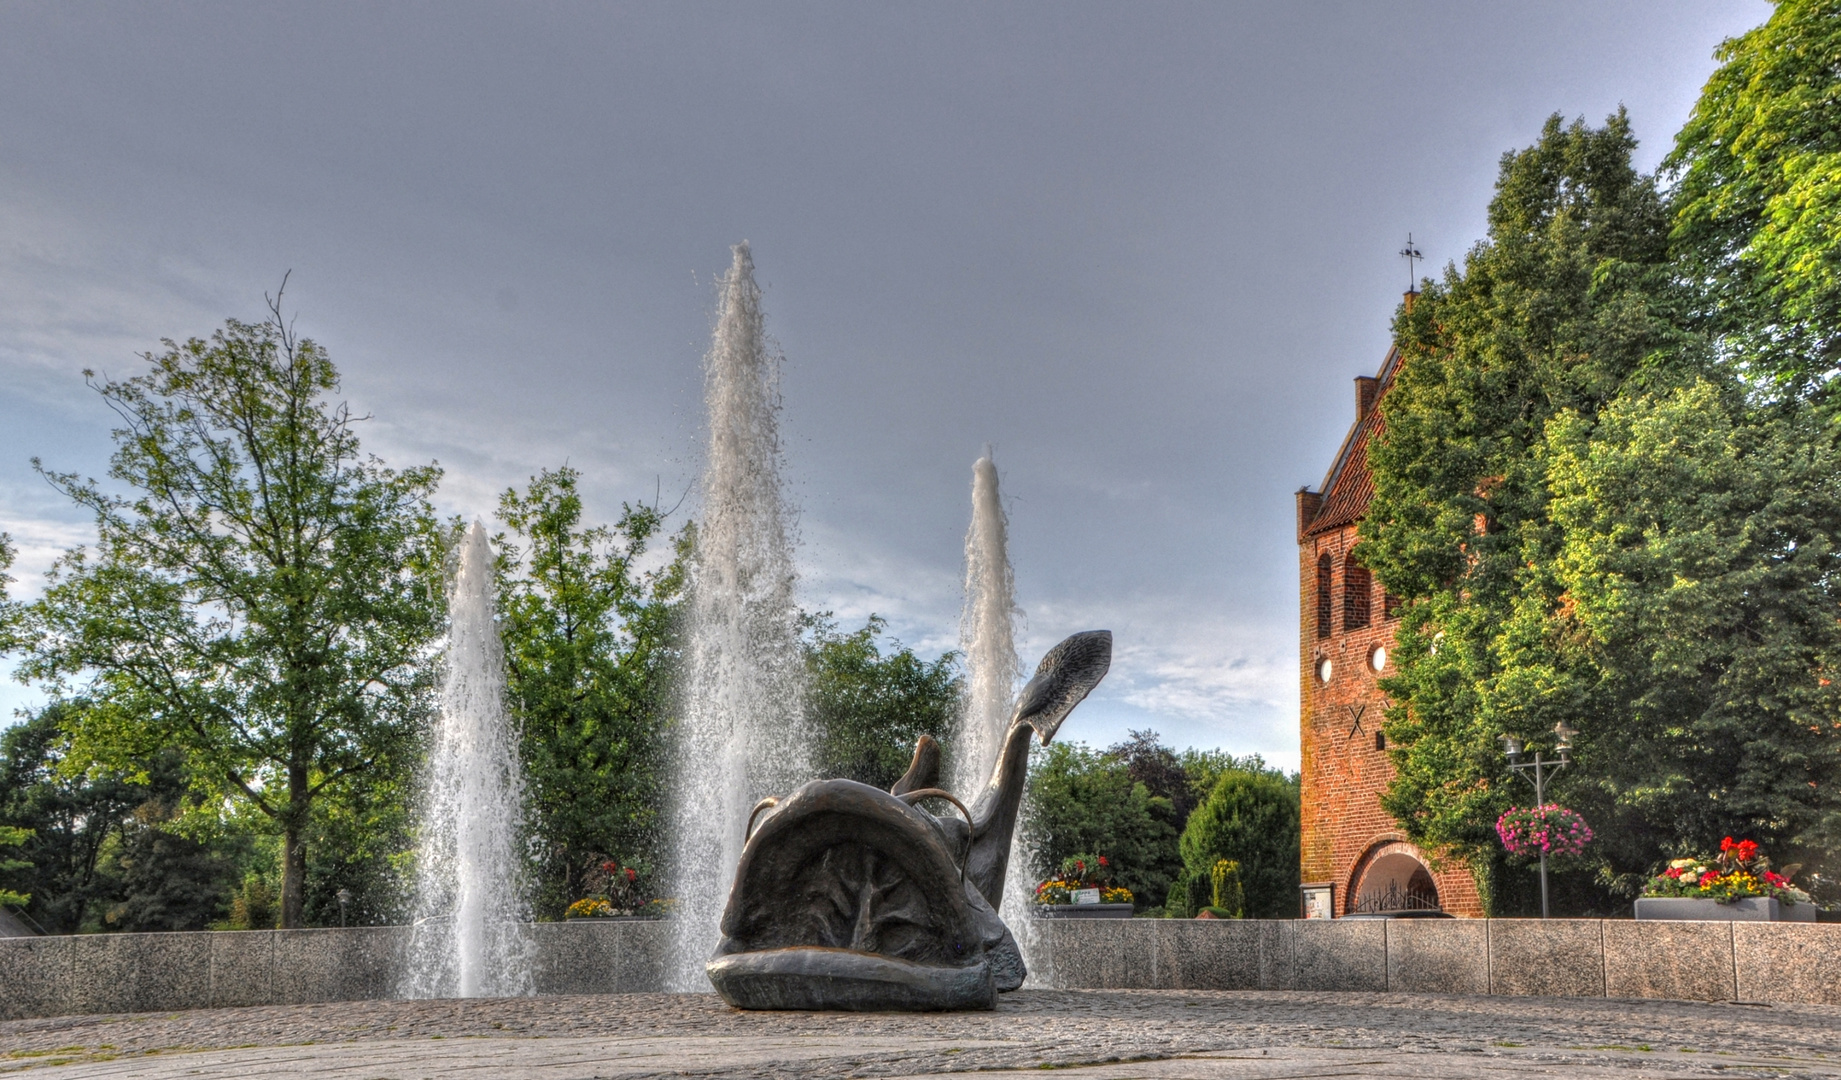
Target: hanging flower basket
{"points": [[1543, 830]]}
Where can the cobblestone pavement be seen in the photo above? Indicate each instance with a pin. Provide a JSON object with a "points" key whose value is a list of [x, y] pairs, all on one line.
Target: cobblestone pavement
{"points": [[1096, 1035]]}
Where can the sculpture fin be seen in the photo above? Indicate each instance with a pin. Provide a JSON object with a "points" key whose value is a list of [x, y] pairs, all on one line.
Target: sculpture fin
{"points": [[1063, 679]]}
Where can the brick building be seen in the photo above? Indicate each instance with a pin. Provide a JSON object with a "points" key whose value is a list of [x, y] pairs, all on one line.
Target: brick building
{"points": [[1346, 626]]}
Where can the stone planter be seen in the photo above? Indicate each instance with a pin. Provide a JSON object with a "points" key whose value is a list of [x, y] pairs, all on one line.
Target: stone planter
{"points": [[1750, 909], [1082, 911]]}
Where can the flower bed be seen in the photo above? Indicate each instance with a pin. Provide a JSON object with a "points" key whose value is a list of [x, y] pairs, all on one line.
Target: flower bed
{"points": [[1089, 874], [1739, 872]]}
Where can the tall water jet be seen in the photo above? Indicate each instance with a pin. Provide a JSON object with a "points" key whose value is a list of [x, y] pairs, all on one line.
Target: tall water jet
{"points": [[742, 733], [987, 633], [987, 637], [470, 937]]}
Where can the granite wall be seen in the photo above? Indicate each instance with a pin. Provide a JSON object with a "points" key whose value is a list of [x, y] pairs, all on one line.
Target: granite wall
{"points": [[1791, 962]]}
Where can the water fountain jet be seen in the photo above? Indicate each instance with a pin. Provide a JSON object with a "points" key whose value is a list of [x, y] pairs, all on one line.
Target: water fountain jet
{"points": [[470, 937], [742, 731]]}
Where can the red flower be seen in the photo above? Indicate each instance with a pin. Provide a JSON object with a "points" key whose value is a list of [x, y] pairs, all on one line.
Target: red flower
{"points": [[1102, 860], [610, 868], [1727, 844], [632, 874], [1747, 849], [1673, 871]]}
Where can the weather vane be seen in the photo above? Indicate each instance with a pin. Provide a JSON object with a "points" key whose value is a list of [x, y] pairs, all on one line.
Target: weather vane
{"points": [[1411, 255]]}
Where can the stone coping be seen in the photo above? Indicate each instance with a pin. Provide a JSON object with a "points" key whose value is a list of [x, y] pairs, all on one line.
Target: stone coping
{"points": [[1679, 960]]}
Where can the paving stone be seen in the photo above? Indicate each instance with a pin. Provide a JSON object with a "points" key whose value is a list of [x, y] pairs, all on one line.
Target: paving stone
{"points": [[644, 956], [35, 977], [1277, 955], [1644, 959], [578, 957], [1105, 1035], [1208, 954], [1438, 956], [1788, 962], [242, 968], [1549, 957], [358, 964], [1339, 954], [140, 972]]}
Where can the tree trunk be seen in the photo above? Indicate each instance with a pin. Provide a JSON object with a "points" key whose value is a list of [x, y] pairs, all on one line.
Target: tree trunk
{"points": [[294, 851], [293, 877]]}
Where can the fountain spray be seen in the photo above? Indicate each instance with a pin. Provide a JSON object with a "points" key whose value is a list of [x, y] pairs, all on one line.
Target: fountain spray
{"points": [[471, 937], [742, 734], [987, 637], [987, 634]]}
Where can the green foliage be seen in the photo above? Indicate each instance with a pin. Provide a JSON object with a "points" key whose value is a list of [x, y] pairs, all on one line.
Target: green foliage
{"points": [[1698, 577], [262, 602], [1176, 904], [11, 836], [869, 707], [588, 648], [1251, 818], [253, 907], [70, 817], [1758, 169], [1227, 889], [1567, 303], [1597, 518], [1082, 800]]}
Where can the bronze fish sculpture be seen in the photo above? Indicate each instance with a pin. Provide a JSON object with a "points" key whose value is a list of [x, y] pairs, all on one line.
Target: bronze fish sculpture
{"points": [[850, 897]]}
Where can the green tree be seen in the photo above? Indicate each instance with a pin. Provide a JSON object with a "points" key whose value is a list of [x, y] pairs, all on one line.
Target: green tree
{"points": [[72, 816], [1085, 800], [588, 648], [1570, 301], [868, 706], [1758, 169], [1251, 818], [264, 601], [1699, 580]]}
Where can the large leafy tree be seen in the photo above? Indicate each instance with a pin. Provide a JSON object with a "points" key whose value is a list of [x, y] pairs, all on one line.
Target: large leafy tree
{"points": [[264, 597], [1569, 302], [1700, 582], [588, 649], [1758, 169]]}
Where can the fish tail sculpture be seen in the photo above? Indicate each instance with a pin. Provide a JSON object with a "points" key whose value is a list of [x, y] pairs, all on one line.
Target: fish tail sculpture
{"points": [[849, 897]]}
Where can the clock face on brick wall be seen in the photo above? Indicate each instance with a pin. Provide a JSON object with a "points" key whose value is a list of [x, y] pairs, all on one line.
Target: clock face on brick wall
{"points": [[1324, 669], [1378, 658]]}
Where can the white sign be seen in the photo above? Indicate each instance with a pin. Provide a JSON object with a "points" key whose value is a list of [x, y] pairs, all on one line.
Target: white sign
{"points": [[1086, 896]]}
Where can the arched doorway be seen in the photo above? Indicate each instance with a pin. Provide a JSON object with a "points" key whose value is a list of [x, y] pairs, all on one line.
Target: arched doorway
{"points": [[1392, 877]]}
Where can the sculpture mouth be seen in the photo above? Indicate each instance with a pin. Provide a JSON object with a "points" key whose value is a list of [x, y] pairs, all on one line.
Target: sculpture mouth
{"points": [[843, 866]]}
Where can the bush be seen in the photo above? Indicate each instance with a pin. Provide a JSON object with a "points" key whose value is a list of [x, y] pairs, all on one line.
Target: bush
{"points": [[1229, 894], [1251, 818]]}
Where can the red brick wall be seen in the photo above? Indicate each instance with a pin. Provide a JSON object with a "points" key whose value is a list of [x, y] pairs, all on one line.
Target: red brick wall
{"points": [[1343, 773]]}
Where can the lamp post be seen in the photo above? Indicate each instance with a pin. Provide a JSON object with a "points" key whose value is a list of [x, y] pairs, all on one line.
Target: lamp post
{"points": [[1541, 768], [344, 897]]}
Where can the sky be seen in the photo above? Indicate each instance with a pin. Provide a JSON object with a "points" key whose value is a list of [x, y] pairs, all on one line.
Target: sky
{"points": [[1140, 250]]}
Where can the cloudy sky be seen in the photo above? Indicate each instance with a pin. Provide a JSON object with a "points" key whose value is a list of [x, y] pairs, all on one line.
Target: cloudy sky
{"points": [[1140, 249]]}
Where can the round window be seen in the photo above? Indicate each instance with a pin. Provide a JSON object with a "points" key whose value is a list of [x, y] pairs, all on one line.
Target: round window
{"points": [[1324, 667], [1378, 658]]}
